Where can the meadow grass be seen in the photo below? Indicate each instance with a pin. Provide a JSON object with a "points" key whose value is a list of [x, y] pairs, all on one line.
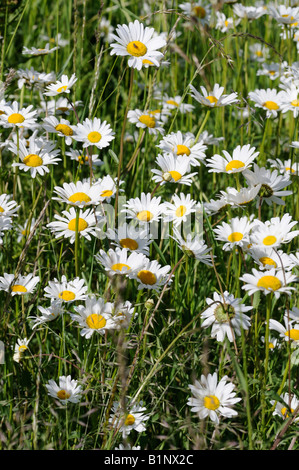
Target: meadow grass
{"points": [[164, 348]]}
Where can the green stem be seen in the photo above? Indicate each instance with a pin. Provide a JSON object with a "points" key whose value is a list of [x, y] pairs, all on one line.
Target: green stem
{"points": [[77, 248], [263, 398]]}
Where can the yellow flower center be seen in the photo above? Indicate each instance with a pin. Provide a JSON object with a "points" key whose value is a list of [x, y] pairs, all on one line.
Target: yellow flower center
{"points": [[235, 237], [212, 99], [226, 23], [16, 118], [106, 193], [145, 216], [22, 348], [181, 210], [120, 267], [293, 334], [67, 295], [96, 321], [33, 160], [285, 413], [295, 103], [64, 129], [148, 121], [175, 175], [211, 402], [267, 261], [129, 420], [174, 103], [271, 72], [271, 105], [1, 209], [18, 288], [269, 282], [148, 62], [82, 224], [94, 137], [128, 243], [182, 150], [234, 165], [79, 197], [82, 159], [290, 169], [271, 346], [200, 12], [61, 89], [63, 394], [136, 48], [269, 240], [259, 54], [147, 277]]}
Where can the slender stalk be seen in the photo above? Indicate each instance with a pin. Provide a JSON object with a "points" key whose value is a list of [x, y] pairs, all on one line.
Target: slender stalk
{"points": [[77, 241]]}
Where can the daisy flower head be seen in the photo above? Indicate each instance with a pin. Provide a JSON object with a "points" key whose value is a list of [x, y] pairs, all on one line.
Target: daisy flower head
{"points": [[122, 313], [146, 120], [173, 169], [5, 224], [290, 100], [242, 197], [183, 144], [20, 285], [20, 347], [145, 209], [199, 10], [128, 236], [286, 407], [286, 167], [249, 12], [93, 317], [14, 116], [66, 225], [289, 331], [48, 314], [271, 185], [67, 390], [272, 70], [213, 99], [138, 43], [61, 127], [106, 187], [83, 159], [268, 258], [80, 194], [94, 132], [226, 316], [132, 420], [236, 233], [274, 232], [32, 78], [240, 160], [8, 207], [179, 209], [151, 276], [193, 246], [36, 155], [272, 281], [66, 291], [176, 103], [284, 14], [63, 85], [259, 52], [24, 230], [269, 100], [213, 399], [216, 205], [33, 51], [224, 24], [120, 261]]}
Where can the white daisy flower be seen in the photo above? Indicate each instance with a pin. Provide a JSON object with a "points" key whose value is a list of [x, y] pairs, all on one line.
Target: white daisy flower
{"points": [[145, 209], [56, 40], [8, 208], [94, 317], [20, 347], [272, 70], [48, 314], [61, 86], [242, 197], [269, 100], [173, 169], [212, 399], [122, 313], [226, 316], [224, 24], [249, 12], [80, 194], [151, 276], [183, 144], [284, 14], [83, 159], [133, 420], [289, 331], [61, 127], [235, 233], [5, 224], [120, 261], [200, 10], [284, 410], [273, 232], [146, 120], [65, 225], [259, 52], [32, 78], [285, 167], [139, 43], [41, 51], [20, 285], [59, 106], [215, 205], [66, 291], [67, 391], [268, 258], [94, 132], [24, 230], [128, 236], [107, 187], [193, 246], [295, 258], [176, 102], [179, 209], [35, 155], [272, 281], [215, 98], [240, 160], [12, 116], [290, 100]]}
